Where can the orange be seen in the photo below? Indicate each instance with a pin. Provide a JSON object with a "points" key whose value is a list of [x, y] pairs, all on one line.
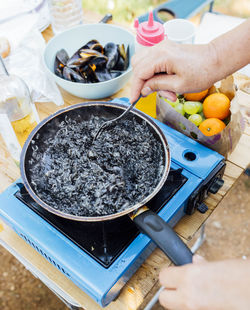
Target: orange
{"points": [[211, 126], [196, 96], [216, 105]]}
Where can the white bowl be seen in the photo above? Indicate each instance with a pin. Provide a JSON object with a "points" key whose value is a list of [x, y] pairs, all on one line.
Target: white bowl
{"points": [[71, 40]]}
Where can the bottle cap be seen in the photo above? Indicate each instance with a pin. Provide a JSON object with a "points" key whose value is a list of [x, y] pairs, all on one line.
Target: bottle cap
{"points": [[150, 32]]}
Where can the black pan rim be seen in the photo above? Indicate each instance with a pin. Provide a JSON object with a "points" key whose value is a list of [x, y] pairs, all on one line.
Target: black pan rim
{"points": [[142, 115]]}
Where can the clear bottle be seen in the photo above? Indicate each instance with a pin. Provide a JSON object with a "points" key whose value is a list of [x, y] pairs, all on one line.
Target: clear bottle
{"points": [[18, 115], [148, 34], [65, 14]]}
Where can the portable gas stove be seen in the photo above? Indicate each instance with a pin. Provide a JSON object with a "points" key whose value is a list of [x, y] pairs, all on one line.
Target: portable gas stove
{"points": [[101, 257]]}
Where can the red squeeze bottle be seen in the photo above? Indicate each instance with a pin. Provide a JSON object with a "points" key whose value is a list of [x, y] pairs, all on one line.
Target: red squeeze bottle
{"points": [[148, 33]]}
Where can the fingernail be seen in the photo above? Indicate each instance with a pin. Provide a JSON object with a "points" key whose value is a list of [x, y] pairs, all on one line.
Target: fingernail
{"points": [[168, 95], [146, 91]]}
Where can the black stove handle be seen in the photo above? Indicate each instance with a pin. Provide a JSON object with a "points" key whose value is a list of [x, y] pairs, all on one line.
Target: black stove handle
{"points": [[164, 237]]}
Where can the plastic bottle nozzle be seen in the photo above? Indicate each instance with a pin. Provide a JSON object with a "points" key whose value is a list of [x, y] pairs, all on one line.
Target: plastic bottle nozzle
{"points": [[150, 32], [150, 19], [136, 23]]}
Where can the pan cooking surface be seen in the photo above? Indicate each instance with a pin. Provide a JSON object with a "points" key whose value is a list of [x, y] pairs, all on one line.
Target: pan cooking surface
{"points": [[119, 169]]}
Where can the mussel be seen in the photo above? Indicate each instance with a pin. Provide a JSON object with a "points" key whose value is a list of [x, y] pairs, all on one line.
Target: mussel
{"points": [[71, 75], [85, 56], [111, 51], [60, 62], [92, 62]]}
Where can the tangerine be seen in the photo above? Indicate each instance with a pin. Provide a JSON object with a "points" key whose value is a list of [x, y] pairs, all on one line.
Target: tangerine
{"points": [[216, 105], [196, 96], [211, 126]]}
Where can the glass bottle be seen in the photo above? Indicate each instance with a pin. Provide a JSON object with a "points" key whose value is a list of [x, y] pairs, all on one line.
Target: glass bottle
{"points": [[18, 116], [65, 14]]}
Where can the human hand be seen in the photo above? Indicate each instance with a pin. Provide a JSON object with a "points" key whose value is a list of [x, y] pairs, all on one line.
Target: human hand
{"points": [[207, 286], [172, 68]]}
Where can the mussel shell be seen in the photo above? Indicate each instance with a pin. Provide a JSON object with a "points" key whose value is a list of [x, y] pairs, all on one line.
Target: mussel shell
{"points": [[76, 55], [103, 75], [123, 60], [62, 56], [111, 51], [88, 73], [99, 62], [83, 58], [115, 73], [59, 72], [86, 52], [90, 44], [60, 61], [119, 65], [92, 63], [122, 51], [97, 47], [71, 75], [126, 61]]}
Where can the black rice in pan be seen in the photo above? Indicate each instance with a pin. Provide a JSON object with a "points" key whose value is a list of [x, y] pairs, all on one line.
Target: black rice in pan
{"points": [[118, 170]]}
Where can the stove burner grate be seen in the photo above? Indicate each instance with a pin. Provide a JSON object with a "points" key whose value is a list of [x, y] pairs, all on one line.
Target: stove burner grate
{"points": [[105, 241]]}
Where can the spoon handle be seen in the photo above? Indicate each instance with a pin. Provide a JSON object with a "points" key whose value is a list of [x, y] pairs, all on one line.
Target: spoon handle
{"points": [[127, 110], [107, 123]]}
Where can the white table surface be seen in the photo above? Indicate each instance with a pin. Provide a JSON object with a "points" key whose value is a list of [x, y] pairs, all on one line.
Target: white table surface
{"points": [[213, 25]]}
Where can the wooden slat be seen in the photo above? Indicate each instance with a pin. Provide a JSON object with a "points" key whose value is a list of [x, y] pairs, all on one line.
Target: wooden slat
{"points": [[241, 154]]}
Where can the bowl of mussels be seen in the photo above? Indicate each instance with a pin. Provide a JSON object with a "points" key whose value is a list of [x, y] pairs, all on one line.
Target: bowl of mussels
{"points": [[90, 61]]}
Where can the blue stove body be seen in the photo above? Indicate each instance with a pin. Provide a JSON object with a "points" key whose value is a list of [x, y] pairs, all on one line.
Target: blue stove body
{"points": [[202, 170]]}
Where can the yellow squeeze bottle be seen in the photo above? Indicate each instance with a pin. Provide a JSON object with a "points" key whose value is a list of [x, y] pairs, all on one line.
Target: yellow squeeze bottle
{"points": [[148, 105]]}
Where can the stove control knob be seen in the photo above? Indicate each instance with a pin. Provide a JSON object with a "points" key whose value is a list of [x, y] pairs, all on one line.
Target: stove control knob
{"points": [[202, 208], [216, 185]]}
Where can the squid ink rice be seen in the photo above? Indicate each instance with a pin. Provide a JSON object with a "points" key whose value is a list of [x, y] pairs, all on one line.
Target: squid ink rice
{"points": [[77, 176]]}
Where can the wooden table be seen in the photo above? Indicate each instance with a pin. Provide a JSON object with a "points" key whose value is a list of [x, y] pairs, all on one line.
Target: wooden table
{"points": [[144, 283]]}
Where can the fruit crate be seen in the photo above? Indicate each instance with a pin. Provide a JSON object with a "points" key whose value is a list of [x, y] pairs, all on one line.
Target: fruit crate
{"points": [[230, 128]]}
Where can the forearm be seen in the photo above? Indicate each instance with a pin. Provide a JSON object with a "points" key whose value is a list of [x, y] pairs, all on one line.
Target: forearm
{"points": [[231, 50], [184, 68]]}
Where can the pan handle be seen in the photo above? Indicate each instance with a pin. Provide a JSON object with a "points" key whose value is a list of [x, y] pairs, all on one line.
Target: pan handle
{"points": [[164, 236]]}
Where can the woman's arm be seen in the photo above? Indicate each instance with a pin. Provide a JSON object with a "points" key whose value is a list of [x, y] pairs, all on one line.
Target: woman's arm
{"points": [[179, 68]]}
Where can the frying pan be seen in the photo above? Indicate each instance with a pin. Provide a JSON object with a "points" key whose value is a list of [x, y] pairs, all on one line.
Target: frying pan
{"points": [[147, 221]]}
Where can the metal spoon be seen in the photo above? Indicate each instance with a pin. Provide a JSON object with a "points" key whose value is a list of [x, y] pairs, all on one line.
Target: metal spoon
{"points": [[112, 121]]}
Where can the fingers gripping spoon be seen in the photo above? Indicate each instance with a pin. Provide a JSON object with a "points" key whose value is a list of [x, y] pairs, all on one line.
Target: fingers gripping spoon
{"points": [[112, 121]]}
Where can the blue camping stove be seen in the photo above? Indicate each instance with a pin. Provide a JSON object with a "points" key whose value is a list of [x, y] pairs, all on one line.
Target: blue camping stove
{"points": [[112, 251]]}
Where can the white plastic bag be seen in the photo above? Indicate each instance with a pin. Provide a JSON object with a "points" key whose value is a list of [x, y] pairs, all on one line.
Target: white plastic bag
{"points": [[26, 62]]}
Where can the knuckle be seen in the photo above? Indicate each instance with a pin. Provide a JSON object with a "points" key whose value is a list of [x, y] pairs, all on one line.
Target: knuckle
{"points": [[178, 85], [155, 83]]}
